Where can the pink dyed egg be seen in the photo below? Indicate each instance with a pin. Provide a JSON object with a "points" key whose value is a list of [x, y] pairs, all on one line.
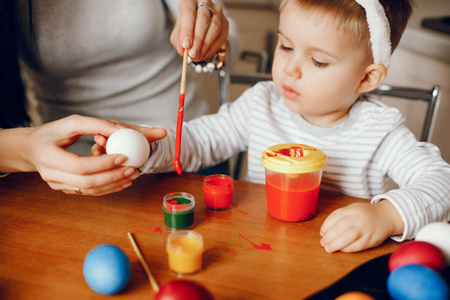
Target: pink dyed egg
{"points": [[418, 253]]}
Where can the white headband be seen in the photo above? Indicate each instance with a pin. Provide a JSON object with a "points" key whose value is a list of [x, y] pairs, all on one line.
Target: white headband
{"points": [[379, 29]]}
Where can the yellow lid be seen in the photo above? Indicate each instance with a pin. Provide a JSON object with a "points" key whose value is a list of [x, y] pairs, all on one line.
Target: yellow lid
{"points": [[293, 159]]}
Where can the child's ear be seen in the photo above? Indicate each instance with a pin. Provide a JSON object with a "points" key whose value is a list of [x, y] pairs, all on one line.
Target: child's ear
{"points": [[375, 74]]}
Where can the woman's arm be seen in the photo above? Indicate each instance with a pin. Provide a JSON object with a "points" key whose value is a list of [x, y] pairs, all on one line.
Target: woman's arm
{"points": [[42, 149]]}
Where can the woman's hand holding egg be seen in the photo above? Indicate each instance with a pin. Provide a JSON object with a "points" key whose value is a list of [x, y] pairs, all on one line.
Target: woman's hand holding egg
{"points": [[130, 140]]}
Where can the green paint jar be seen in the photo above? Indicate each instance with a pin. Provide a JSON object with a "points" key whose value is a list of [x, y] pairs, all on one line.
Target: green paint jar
{"points": [[178, 210]]}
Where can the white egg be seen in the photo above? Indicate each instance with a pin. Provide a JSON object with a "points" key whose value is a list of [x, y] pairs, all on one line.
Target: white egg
{"points": [[438, 234], [130, 143]]}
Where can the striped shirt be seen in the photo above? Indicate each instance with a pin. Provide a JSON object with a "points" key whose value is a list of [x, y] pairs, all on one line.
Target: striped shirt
{"points": [[371, 145]]}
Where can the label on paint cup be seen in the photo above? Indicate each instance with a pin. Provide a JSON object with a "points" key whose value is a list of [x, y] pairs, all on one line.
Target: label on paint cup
{"points": [[185, 252]]}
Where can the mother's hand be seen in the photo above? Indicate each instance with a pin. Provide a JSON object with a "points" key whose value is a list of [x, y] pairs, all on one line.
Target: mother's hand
{"points": [[198, 29], [69, 172]]}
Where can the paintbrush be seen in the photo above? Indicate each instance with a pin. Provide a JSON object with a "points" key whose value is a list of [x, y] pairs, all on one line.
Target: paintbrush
{"points": [[152, 279], [176, 160]]}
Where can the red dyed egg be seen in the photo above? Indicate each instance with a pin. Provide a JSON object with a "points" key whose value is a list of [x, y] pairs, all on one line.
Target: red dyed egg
{"points": [[418, 253], [354, 296], [183, 290]]}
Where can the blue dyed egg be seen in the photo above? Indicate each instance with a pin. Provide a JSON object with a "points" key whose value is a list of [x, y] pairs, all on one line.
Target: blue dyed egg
{"points": [[414, 282], [107, 269]]}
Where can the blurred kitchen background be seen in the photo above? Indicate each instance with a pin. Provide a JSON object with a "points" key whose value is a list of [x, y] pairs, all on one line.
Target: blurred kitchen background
{"points": [[421, 60]]}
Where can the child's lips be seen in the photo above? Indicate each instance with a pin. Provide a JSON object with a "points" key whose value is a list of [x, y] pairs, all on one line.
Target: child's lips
{"points": [[290, 93]]}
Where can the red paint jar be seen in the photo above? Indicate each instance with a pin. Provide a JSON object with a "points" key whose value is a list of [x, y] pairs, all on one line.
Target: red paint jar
{"points": [[218, 191], [293, 176]]}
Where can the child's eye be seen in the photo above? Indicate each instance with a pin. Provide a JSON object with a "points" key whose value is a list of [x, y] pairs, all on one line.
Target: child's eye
{"points": [[285, 48], [319, 64]]}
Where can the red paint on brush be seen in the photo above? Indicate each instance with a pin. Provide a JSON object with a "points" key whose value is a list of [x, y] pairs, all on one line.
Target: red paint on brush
{"points": [[176, 160]]}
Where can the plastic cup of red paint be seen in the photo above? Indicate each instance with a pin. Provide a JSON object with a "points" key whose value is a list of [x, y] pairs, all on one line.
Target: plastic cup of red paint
{"points": [[293, 177], [218, 191]]}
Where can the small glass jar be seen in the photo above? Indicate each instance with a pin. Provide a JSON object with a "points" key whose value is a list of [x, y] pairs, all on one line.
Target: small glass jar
{"points": [[218, 191], [178, 210], [185, 252]]}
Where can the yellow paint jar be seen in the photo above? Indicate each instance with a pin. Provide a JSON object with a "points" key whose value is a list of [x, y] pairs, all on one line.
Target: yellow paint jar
{"points": [[185, 251]]}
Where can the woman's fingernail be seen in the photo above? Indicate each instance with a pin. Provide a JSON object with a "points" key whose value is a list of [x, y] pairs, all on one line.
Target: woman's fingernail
{"points": [[186, 43], [119, 126], [128, 172], [135, 176], [120, 160], [127, 185], [193, 53]]}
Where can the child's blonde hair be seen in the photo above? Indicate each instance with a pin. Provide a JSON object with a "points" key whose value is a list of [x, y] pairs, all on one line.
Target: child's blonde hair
{"points": [[351, 16]]}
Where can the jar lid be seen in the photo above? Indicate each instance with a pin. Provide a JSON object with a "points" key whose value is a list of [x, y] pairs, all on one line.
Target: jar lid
{"points": [[293, 159], [178, 202], [218, 184]]}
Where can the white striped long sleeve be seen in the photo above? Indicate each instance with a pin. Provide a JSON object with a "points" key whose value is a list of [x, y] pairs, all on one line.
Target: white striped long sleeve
{"points": [[370, 145]]}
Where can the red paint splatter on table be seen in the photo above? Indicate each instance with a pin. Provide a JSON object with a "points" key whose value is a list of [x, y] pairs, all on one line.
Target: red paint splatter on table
{"points": [[155, 229], [239, 210], [213, 248], [262, 246], [112, 229], [231, 252]]}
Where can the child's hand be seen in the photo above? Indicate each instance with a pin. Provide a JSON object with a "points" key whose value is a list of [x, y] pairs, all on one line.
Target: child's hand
{"points": [[152, 134], [360, 226]]}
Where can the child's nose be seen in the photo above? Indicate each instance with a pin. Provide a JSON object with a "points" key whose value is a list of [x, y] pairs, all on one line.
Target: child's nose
{"points": [[293, 69]]}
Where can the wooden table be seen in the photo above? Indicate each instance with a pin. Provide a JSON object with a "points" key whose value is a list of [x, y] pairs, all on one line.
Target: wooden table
{"points": [[46, 235]]}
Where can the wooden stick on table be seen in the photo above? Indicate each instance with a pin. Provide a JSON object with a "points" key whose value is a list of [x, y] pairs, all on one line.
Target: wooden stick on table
{"points": [[152, 279]]}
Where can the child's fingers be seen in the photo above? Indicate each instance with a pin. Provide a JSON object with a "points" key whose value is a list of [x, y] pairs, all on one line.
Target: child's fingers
{"points": [[339, 239], [355, 246], [336, 231], [330, 221]]}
